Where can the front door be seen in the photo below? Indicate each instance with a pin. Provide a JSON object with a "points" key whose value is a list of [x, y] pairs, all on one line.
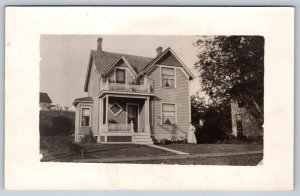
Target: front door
{"points": [[133, 115]]}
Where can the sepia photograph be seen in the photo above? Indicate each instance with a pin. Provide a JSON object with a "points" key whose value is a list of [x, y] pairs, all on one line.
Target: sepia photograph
{"points": [[149, 98], [152, 99]]}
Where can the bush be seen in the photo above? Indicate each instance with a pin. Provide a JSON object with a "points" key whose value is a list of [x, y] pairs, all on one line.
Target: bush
{"points": [[89, 138], [172, 141], [54, 123]]}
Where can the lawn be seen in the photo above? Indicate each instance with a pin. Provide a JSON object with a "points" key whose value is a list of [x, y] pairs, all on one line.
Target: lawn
{"points": [[98, 151], [214, 148], [239, 160], [62, 149], [58, 148]]}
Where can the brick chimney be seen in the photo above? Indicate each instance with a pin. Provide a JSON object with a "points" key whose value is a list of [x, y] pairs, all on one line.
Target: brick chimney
{"points": [[99, 44], [159, 50]]}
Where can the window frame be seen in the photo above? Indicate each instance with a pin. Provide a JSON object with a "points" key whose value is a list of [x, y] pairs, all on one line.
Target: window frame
{"points": [[125, 78], [81, 115], [161, 114], [236, 117], [118, 106], [161, 78]]}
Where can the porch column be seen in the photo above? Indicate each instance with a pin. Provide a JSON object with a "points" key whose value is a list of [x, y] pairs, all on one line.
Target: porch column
{"points": [[105, 126], [106, 122], [100, 119], [147, 115]]}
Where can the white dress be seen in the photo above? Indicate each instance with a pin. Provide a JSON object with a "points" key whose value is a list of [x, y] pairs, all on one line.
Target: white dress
{"points": [[191, 135]]}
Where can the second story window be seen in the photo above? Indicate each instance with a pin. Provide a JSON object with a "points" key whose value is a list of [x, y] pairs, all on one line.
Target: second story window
{"points": [[120, 76], [168, 77]]}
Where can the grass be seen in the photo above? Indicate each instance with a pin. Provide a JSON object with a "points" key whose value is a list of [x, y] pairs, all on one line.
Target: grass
{"points": [[62, 149], [214, 148], [58, 148], [98, 151], [238, 160]]}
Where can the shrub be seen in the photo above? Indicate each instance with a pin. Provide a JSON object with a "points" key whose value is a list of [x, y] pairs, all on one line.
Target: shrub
{"points": [[89, 138], [54, 123], [172, 141]]}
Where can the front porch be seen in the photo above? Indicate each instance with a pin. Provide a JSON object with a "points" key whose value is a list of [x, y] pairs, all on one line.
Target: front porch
{"points": [[124, 119]]}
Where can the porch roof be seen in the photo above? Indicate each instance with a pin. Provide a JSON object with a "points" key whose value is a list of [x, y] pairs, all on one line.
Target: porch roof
{"points": [[83, 100], [125, 94]]}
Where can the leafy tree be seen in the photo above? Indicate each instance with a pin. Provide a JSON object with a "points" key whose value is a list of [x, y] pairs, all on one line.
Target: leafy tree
{"points": [[216, 117], [232, 67], [197, 108]]}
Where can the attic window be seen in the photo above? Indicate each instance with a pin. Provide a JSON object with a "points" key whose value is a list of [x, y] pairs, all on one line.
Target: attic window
{"points": [[116, 109], [120, 76]]}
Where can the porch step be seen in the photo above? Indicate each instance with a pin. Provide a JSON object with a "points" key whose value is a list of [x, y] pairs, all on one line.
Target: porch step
{"points": [[143, 139]]}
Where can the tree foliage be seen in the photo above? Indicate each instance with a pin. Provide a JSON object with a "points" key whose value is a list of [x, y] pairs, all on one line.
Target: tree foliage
{"points": [[216, 118], [232, 67]]}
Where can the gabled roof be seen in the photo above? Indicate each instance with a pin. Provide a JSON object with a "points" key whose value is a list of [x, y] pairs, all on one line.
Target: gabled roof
{"points": [[103, 61], [83, 100], [44, 98], [159, 57], [126, 62], [141, 65]]}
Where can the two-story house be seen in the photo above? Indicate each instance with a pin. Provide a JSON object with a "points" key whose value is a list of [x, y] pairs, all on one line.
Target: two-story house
{"points": [[131, 98]]}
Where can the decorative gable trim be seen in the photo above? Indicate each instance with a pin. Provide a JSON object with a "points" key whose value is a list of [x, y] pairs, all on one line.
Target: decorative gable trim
{"points": [[133, 72], [152, 64], [88, 73]]}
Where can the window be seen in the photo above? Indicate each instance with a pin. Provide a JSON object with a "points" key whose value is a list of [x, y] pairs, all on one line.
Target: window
{"points": [[239, 125], [168, 114], [116, 109], [120, 75], [85, 117], [168, 77]]}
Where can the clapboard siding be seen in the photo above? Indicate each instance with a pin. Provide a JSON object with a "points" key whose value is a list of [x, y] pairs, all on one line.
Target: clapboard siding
{"points": [[178, 96], [94, 90], [121, 117]]}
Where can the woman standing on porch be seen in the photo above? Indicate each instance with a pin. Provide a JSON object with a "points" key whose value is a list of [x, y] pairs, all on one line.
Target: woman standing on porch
{"points": [[191, 139]]}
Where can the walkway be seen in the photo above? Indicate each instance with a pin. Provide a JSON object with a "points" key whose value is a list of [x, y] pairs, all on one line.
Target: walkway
{"points": [[168, 149]]}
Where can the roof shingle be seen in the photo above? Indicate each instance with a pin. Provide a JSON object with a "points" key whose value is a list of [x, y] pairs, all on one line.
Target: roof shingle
{"points": [[103, 60]]}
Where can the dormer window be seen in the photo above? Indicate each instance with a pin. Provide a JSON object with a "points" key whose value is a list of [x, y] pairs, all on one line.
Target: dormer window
{"points": [[120, 75], [168, 77]]}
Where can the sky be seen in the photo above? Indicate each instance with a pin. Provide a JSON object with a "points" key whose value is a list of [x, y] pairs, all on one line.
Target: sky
{"points": [[64, 59]]}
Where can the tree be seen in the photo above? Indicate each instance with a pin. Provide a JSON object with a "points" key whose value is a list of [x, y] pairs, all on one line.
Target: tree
{"points": [[197, 108], [216, 118], [232, 67]]}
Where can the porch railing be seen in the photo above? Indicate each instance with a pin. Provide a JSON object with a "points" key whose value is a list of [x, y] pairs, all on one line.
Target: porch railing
{"points": [[124, 87], [121, 127]]}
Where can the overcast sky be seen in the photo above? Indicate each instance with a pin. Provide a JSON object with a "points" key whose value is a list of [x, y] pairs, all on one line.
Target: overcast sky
{"points": [[64, 59]]}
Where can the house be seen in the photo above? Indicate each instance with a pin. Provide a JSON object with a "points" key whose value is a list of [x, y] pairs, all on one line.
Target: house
{"points": [[132, 99], [45, 101], [244, 124]]}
